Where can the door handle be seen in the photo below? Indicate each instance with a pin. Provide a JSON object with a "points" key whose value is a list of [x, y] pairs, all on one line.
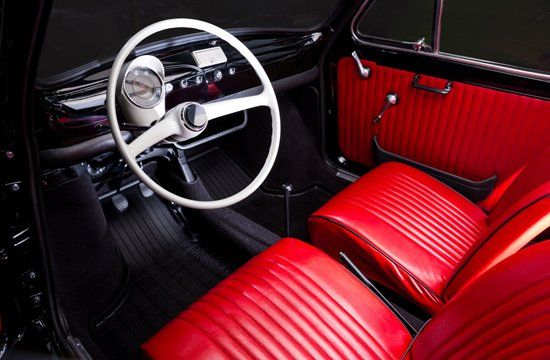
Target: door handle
{"points": [[391, 100], [447, 89]]}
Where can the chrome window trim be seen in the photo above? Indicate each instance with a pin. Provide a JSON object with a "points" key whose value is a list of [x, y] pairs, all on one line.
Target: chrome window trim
{"points": [[486, 64], [437, 25]]}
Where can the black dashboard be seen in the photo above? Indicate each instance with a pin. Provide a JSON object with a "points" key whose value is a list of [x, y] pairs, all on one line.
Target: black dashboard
{"points": [[74, 111]]}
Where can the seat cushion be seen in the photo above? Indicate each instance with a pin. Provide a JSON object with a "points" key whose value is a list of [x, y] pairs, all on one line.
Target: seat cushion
{"points": [[403, 228], [290, 302]]}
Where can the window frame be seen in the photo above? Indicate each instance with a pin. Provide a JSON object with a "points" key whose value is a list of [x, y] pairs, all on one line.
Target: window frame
{"points": [[435, 49]]}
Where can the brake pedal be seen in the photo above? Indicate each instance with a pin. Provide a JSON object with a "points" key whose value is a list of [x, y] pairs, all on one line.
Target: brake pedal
{"points": [[145, 191], [120, 202]]}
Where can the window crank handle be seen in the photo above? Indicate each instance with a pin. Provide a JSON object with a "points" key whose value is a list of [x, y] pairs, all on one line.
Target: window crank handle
{"points": [[391, 100], [364, 72]]}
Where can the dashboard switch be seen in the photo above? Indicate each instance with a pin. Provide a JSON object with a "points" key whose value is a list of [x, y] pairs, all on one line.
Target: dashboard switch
{"points": [[217, 75], [232, 71]]}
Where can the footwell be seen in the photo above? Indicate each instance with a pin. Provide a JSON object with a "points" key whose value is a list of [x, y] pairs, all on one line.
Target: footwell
{"points": [[168, 272], [223, 177]]}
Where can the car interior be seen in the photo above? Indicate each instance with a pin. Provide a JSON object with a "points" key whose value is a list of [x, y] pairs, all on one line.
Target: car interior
{"points": [[335, 179]]}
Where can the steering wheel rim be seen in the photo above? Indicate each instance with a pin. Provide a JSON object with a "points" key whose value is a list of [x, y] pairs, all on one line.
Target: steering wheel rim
{"points": [[268, 95]]}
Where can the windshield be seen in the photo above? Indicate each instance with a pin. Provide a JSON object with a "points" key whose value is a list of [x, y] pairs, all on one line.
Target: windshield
{"points": [[81, 31]]}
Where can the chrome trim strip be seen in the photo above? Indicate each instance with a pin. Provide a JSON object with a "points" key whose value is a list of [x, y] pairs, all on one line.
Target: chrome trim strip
{"points": [[454, 58], [437, 25], [343, 174], [216, 135], [86, 102]]}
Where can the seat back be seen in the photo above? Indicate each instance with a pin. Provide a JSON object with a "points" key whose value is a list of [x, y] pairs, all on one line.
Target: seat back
{"points": [[531, 184], [504, 314], [521, 214]]}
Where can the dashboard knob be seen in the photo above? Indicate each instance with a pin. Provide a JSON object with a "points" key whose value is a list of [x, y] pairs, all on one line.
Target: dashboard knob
{"points": [[217, 75], [232, 71], [199, 79], [184, 84]]}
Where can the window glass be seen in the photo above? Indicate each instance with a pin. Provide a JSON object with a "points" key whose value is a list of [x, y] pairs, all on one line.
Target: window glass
{"points": [[81, 31], [509, 32], [398, 20]]}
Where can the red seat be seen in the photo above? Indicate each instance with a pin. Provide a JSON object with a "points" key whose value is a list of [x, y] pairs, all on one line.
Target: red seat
{"points": [[291, 301], [294, 302], [415, 235]]}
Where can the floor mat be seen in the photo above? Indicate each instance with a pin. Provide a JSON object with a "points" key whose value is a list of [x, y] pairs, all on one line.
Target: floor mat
{"points": [[222, 177], [168, 272]]}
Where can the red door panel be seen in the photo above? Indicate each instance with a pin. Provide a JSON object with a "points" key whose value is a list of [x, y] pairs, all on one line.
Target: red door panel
{"points": [[472, 132]]}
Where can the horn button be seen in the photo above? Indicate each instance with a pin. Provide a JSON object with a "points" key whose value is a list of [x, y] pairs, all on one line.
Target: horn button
{"points": [[194, 117]]}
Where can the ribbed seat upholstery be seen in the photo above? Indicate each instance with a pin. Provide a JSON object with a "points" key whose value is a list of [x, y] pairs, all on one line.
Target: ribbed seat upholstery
{"points": [[294, 302], [410, 232], [290, 302]]}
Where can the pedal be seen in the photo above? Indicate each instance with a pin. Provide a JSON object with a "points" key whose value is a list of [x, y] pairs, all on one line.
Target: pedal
{"points": [[120, 202], [145, 191]]}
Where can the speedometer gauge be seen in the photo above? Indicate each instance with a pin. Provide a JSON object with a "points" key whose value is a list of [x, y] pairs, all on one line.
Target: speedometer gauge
{"points": [[143, 87]]}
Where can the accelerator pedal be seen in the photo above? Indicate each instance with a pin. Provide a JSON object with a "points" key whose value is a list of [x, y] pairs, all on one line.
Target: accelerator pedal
{"points": [[145, 191]]}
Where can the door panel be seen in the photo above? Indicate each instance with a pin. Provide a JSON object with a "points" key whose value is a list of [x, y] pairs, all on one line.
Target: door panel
{"points": [[472, 132]]}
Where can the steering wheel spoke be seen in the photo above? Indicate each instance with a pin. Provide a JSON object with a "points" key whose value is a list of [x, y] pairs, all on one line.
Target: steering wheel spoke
{"points": [[156, 133], [219, 108]]}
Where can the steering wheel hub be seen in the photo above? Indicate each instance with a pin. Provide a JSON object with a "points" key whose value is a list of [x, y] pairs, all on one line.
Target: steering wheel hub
{"points": [[194, 116]]}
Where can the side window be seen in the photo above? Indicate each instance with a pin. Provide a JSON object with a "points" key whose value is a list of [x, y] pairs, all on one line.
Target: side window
{"points": [[509, 32], [401, 21]]}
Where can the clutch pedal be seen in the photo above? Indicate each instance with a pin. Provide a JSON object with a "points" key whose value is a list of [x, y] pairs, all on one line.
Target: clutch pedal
{"points": [[120, 202]]}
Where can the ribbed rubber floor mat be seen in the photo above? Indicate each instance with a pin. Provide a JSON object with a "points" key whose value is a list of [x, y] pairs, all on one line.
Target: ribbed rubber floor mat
{"points": [[168, 272], [222, 177]]}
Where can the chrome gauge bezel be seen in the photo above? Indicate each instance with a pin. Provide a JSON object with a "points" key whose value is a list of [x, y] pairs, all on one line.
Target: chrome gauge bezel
{"points": [[155, 73]]}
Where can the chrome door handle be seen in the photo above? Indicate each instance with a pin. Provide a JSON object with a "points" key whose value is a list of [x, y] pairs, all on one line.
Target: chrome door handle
{"points": [[416, 84], [391, 100], [364, 72]]}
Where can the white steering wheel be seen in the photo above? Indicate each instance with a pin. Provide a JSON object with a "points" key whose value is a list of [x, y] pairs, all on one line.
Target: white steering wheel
{"points": [[189, 119]]}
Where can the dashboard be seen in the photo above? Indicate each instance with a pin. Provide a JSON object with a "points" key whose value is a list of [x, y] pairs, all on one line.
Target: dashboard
{"points": [[200, 70]]}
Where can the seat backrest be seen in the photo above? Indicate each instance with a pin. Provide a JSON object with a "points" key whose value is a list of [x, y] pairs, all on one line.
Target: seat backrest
{"points": [[521, 214], [504, 314], [531, 184]]}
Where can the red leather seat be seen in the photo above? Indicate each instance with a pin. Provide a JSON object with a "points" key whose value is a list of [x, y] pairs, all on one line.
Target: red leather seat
{"points": [[291, 301], [413, 234], [294, 302]]}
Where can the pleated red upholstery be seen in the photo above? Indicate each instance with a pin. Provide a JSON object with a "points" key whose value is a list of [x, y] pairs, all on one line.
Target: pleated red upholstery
{"points": [[415, 235], [504, 314], [293, 302], [290, 302], [473, 132], [403, 228]]}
